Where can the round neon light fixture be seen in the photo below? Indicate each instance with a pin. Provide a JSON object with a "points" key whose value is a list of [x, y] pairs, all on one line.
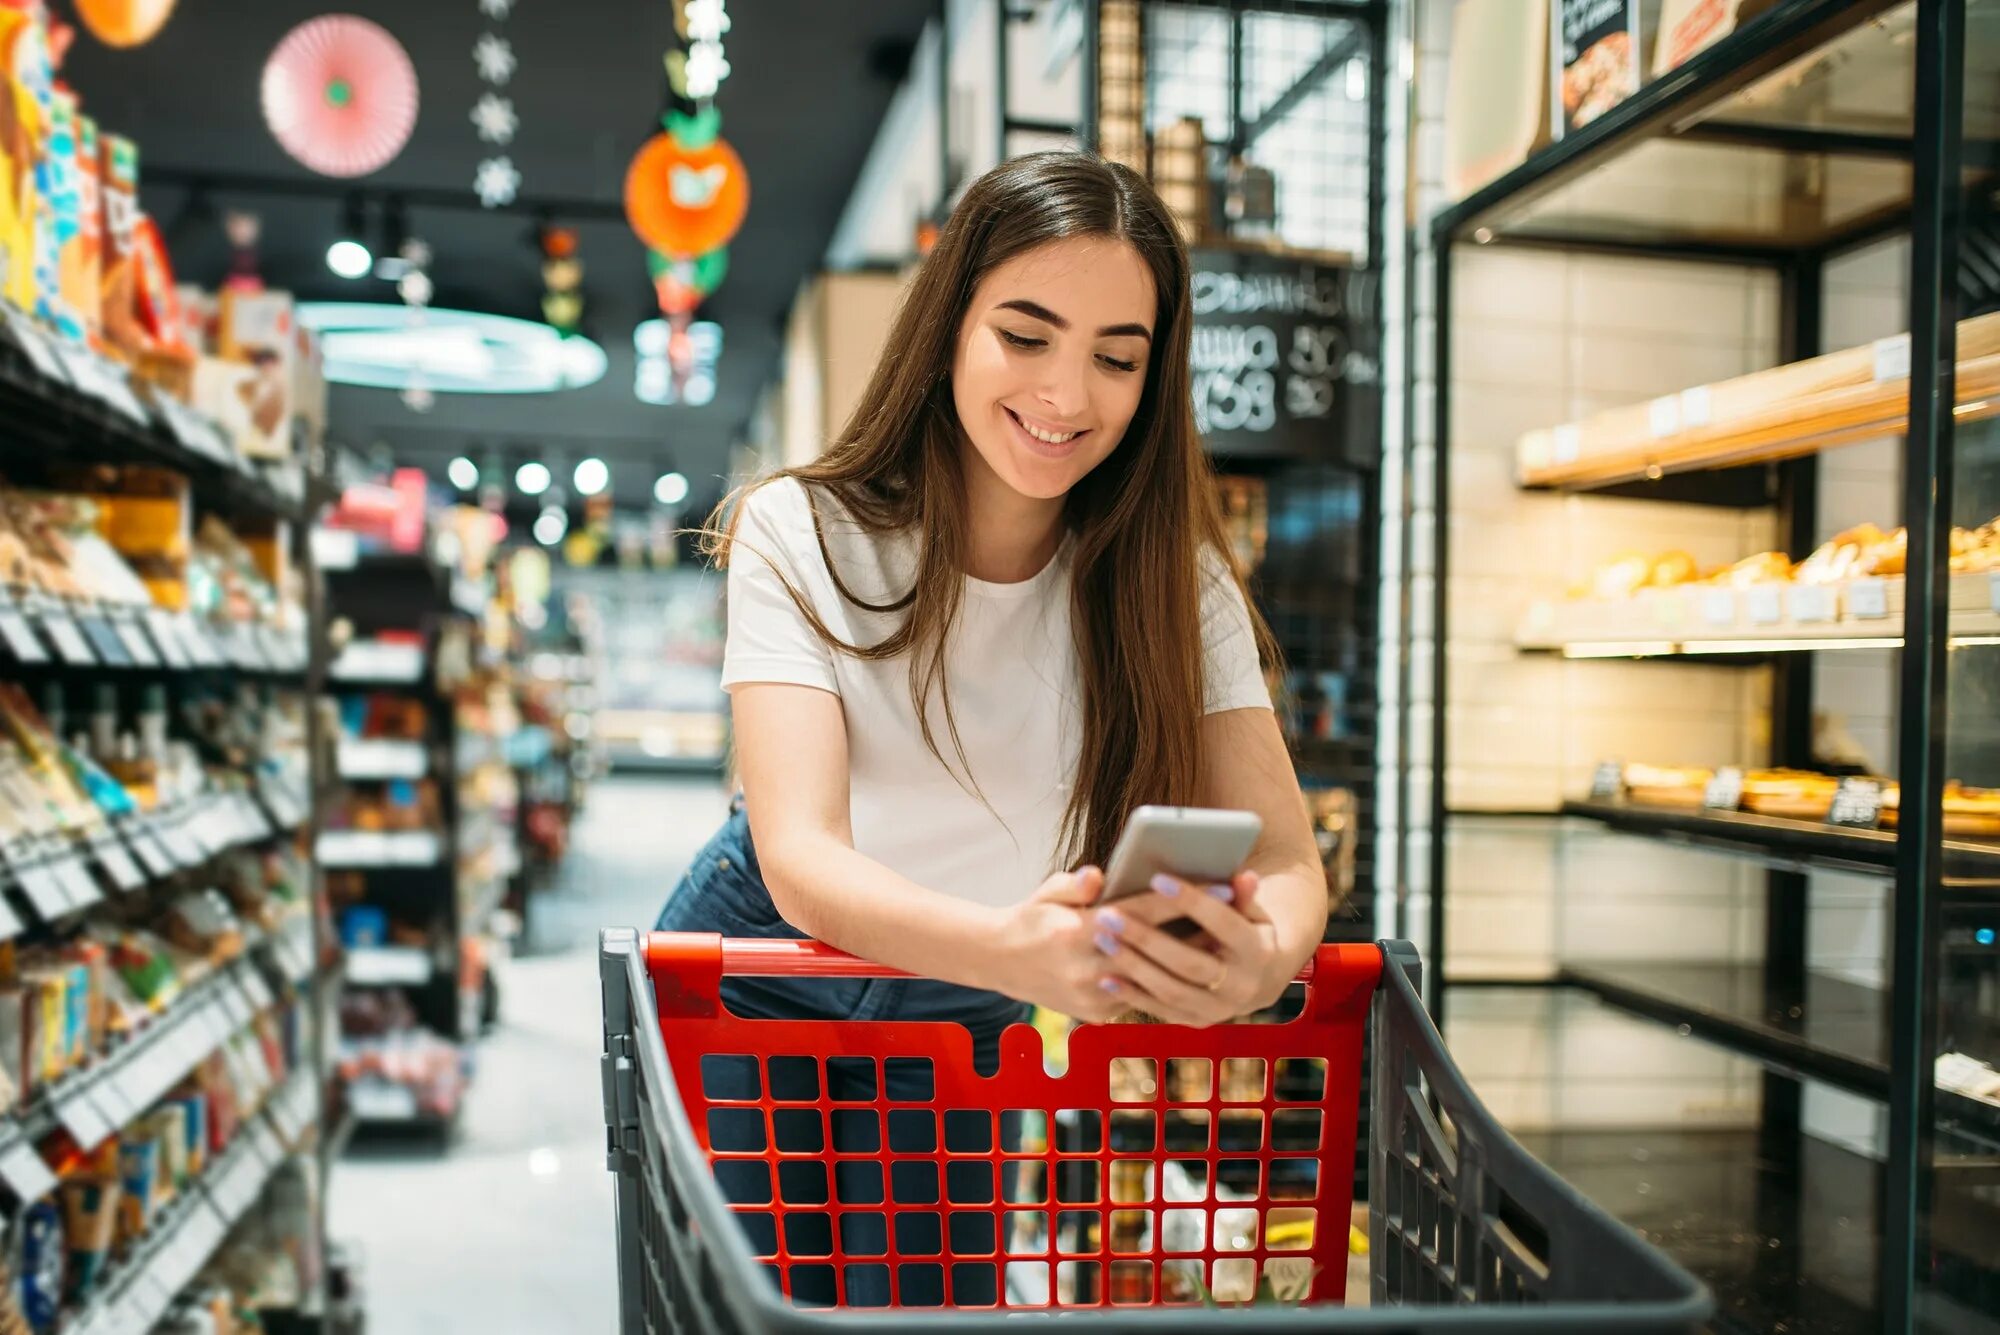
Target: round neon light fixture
{"points": [[384, 346]]}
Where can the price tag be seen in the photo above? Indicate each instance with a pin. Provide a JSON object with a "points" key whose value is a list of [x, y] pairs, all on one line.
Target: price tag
{"points": [[20, 637], [152, 853], [10, 926], [1697, 407], [44, 889], [380, 1102], [161, 623], [77, 881], [110, 649], [1607, 781], [137, 646], [1813, 603], [1663, 416], [182, 846], [1763, 604], [1718, 608], [118, 865], [1857, 804], [79, 1115], [1568, 444], [25, 1172], [1892, 358], [35, 344], [1868, 599], [68, 640]]}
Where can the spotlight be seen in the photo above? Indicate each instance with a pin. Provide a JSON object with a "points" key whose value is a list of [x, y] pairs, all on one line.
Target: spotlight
{"points": [[464, 473], [532, 478], [591, 477], [671, 489], [550, 525], [349, 256]]}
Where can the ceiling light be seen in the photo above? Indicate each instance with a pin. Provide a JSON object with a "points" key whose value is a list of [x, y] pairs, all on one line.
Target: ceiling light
{"points": [[532, 478], [591, 477], [349, 259], [671, 489], [550, 525], [464, 473], [349, 256], [385, 345]]}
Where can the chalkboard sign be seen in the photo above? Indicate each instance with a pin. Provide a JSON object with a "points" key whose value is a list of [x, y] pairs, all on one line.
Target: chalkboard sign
{"points": [[1286, 362], [1597, 57]]}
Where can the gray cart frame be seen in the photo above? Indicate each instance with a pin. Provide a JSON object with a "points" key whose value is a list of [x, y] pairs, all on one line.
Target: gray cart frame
{"points": [[1445, 1183]]}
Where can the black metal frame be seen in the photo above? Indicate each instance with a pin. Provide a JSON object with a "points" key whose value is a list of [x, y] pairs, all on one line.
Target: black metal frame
{"points": [[1919, 857]]}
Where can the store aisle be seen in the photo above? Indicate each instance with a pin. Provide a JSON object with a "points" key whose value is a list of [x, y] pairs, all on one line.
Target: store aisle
{"points": [[511, 1230]]}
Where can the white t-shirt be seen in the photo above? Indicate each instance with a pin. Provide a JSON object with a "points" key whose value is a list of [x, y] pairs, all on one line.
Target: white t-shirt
{"points": [[1015, 692]]}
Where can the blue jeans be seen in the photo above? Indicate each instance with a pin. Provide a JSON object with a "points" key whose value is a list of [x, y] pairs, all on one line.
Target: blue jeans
{"points": [[724, 892]]}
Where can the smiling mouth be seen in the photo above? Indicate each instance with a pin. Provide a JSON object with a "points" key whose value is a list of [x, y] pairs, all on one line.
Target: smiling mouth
{"points": [[1045, 437]]}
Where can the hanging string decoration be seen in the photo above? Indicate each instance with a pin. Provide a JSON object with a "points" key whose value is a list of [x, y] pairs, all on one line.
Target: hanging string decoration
{"points": [[496, 180], [562, 280], [686, 192], [124, 23], [340, 95], [414, 287]]}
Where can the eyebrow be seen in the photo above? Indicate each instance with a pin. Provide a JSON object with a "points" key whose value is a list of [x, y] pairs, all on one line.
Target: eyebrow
{"points": [[1048, 316]]}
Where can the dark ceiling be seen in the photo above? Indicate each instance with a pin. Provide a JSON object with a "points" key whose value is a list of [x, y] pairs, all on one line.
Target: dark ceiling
{"points": [[809, 84]]}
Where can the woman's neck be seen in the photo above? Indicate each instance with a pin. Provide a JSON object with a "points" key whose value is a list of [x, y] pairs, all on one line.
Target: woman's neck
{"points": [[1009, 537]]}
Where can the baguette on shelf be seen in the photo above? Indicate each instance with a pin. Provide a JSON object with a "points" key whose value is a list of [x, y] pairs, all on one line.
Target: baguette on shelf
{"points": [[1847, 593], [1800, 795], [1779, 413]]}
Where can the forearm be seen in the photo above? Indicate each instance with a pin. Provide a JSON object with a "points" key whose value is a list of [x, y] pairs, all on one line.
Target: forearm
{"points": [[853, 903], [1292, 891]]}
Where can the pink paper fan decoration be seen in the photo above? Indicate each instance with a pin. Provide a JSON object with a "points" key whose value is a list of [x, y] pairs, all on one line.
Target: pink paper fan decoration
{"points": [[340, 95]]}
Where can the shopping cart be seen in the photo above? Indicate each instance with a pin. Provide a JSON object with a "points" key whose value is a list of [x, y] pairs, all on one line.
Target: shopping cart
{"points": [[1162, 1170]]}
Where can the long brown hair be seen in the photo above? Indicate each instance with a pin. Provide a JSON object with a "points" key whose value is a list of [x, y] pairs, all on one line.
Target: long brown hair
{"points": [[1141, 519]]}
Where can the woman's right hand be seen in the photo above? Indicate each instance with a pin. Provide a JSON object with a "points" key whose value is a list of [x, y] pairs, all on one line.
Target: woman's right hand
{"points": [[1046, 952]]}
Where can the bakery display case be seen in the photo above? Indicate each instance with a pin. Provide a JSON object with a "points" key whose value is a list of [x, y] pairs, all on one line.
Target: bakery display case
{"points": [[1711, 636]]}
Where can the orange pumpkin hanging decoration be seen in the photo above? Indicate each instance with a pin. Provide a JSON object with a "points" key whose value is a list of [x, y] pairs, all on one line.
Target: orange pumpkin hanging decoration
{"points": [[685, 202], [124, 22]]}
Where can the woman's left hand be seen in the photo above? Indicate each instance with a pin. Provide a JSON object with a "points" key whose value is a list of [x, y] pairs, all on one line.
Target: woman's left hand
{"points": [[1236, 966]]}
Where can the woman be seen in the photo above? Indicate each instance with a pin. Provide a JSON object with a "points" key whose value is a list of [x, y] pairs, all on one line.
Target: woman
{"points": [[993, 618]]}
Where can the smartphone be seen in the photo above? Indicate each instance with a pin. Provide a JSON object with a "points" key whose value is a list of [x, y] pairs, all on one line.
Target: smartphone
{"points": [[1198, 844]]}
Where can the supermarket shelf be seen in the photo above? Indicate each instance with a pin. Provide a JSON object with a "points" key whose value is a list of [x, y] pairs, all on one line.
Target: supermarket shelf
{"points": [[139, 1292], [55, 878], [357, 850], [1802, 408], [389, 966], [364, 759], [1781, 841], [63, 400], [1836, 1031], [36, 630], [92, 1103], [1762, 619], [378, 663]]}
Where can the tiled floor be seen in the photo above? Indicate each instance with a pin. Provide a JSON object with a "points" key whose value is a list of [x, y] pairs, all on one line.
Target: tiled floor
{"points": [[510, 1231]]}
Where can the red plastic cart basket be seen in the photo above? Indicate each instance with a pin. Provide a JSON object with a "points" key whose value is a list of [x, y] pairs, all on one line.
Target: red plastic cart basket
{"points": [[1162, 1166]]}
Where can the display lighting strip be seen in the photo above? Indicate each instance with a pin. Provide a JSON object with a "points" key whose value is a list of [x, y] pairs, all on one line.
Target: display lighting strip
{"points": [[1668, 648]]}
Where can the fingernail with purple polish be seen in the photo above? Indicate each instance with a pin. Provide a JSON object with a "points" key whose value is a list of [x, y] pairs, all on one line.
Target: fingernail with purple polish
{"points": [[1107, 944], [1225, 893], [1108, 984], [1110, 920], [1166, 885]]}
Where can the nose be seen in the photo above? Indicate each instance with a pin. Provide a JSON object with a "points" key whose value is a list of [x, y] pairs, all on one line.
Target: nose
{"points": [[1064, 390]]}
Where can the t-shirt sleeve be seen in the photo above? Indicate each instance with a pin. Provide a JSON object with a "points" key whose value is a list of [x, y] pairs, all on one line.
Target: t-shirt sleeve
{"points": [[769, 639], [1231, 676]]}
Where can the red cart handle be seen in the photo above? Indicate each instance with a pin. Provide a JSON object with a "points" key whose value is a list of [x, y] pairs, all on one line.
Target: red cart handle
{"points": [[774, 957]]}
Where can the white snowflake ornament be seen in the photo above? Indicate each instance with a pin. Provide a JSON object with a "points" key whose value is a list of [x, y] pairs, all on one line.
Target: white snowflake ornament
{"points": [[494, 118], [707, 67], [495, 58], [417, 253], [496, 182], [497, 10], [419, 399], [706, 21]]}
